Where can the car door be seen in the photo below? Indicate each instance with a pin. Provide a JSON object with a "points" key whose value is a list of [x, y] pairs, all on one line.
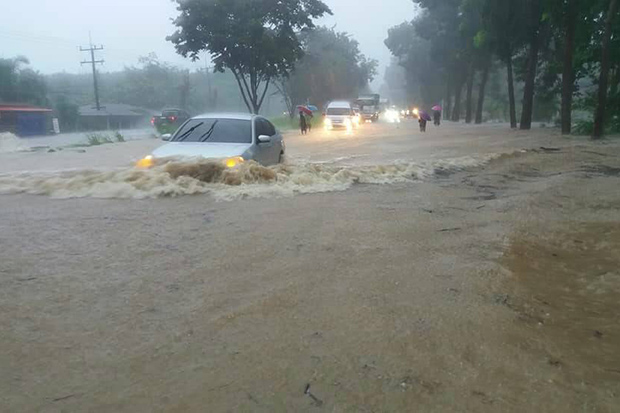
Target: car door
{"points": [[265, 151], [276, 141]]}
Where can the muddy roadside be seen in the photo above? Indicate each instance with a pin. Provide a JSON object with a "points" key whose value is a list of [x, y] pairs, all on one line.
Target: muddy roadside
{"points": [[561, 278], [489, 289]]}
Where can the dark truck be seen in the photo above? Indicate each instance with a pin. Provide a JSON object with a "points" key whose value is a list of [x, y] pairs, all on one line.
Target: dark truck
{"points": [[170, 120], [370, 107]]}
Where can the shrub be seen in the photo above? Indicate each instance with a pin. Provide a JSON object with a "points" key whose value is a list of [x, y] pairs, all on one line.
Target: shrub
{"points": [[119, 137]]}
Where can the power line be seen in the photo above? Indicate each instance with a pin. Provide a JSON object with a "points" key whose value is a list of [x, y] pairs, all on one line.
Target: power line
{"points": [[92, 49]]}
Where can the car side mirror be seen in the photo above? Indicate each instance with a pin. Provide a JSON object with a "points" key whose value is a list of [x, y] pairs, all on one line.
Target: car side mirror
{"points": [[166, 136], [264, 139]]}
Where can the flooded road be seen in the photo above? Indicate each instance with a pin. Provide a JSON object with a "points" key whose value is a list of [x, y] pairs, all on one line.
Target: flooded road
{"points": [[319, 162], [475, 271]]}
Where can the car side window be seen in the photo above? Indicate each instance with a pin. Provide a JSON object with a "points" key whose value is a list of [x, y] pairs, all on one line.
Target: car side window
{"points": [[264, 127], [258, 127], [271, 130]]}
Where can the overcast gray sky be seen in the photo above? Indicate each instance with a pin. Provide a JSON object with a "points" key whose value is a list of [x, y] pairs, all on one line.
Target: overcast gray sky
{"points": [[49, 32]]}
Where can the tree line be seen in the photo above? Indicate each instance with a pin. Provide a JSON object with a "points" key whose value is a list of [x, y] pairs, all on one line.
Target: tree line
{"points": [[266, 43], [557, 56], [150, 85], [266, 55]]}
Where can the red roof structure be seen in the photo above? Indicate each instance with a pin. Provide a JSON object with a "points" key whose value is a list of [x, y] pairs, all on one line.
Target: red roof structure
{"points": [[21, 108]]}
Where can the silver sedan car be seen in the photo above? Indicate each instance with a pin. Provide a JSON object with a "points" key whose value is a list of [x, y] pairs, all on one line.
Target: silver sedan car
{"points": [[233, 138]]}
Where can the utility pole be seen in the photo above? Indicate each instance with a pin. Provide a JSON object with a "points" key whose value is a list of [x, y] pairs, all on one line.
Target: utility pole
{"points": [[92, 49]]}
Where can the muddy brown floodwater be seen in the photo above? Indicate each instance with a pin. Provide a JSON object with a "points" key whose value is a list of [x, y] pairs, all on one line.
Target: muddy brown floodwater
{"points": [[469, 269]]}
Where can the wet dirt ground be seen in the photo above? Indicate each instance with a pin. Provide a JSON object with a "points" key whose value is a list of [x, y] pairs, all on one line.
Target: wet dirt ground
{"points": [[488, 288]]}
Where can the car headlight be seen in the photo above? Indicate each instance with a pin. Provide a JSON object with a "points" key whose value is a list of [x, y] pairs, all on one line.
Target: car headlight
{"points": [[234, 161], [416, 112], [146, 162]]}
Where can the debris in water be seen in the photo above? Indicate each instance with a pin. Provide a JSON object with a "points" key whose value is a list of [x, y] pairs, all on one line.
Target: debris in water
{"points": [[318, 402], [63, 398], [501, 299], [450, 229]]}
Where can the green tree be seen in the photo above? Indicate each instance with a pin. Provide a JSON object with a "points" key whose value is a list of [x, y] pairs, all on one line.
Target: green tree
{"points": [[332, 67], [504, 23], [257, 40], [21, 84], [67, 112], [603, 82], [424, 78], [441, 23], [152, 84]]}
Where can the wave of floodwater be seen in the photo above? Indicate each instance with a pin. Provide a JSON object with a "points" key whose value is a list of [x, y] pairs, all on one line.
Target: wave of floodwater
{"points": [[10, 143], [178, 178]]}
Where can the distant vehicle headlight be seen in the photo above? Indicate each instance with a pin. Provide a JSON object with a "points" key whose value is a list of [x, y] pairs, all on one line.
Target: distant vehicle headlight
{"points": [[146, 162], [234, 161], [416, 111]]}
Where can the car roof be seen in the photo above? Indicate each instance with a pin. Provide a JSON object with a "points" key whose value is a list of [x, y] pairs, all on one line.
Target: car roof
{"points": [[339, 104], [226, 115]]}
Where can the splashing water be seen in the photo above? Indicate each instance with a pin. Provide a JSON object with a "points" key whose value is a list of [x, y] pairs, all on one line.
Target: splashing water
{"points": [[10, 143], [177, 178]]}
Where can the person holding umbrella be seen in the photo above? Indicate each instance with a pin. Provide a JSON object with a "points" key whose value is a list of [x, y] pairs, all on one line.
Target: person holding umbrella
{"points": [[437, 114], [423, 118], [303, 123]]}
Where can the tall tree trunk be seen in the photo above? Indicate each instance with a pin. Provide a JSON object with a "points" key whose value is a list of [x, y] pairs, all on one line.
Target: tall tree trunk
{"points": [[482, 91], [615, 81], [470, 89], [568, 73], [511, 92], [447, 109], [532, 65], [456, 110], [603, 82]]}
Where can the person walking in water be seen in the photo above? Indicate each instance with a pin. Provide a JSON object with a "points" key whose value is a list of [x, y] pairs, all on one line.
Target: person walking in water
{"points": [[303, 124], [422, 122], [437, 115]]}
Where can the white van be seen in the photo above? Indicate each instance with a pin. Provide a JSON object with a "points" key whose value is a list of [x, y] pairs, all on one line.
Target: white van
{"points": [[340, 114]]}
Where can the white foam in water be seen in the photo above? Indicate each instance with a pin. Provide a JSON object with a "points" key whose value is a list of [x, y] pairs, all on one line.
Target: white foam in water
{"points": [[10, 143], [176, 178]]}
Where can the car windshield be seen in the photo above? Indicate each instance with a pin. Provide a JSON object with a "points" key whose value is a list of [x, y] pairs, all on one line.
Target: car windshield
{"points": [[215, 130], [339, 111], [170, 113]]}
